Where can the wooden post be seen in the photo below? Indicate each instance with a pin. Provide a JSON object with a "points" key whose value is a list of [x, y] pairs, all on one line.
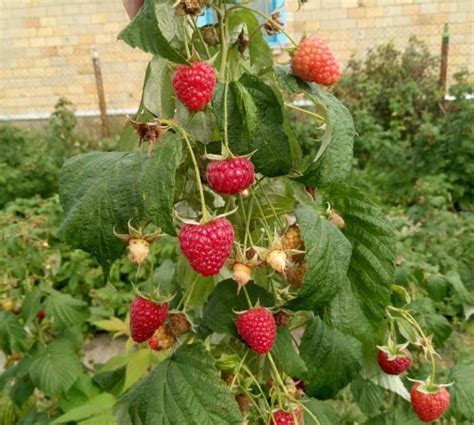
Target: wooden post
{"points": [[443, 73], [100, 93]]}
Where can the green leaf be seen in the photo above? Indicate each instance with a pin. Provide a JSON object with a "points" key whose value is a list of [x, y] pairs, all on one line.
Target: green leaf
{"points": [[462, 392], [219, 312], [288, 81], [372, 265], [97, 407], [55, 368], [202, 286], [323, 411], [332, 358], [456, 282], [150, 34], [255, 123], [200, 125], [369, 397], [158, 93], [157, 182], [12, 334], [98, 191], [333, 161], [184, 389], [65, 310], [286, 355], [137, 365], [260, 53], [328, 254], [435, 324], [345, 313]]}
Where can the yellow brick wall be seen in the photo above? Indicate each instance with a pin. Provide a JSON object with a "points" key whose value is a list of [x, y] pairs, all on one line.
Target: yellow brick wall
{"points": [[45, 44], [354, 26]]}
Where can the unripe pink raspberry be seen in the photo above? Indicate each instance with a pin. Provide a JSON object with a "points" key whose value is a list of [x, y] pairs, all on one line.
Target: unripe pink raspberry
{"points": [[313, 61]]}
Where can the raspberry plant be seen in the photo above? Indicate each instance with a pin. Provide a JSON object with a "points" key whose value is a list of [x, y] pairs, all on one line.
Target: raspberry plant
{"points": [[291, 238]]}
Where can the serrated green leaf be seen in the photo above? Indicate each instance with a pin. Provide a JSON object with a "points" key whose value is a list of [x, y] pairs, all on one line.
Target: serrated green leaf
{"points": [[372, 264], [332, 358], [158, 93], [219, 312], [333, 161], [55, 368], [398, 416], [98, 191], [462, 403], [369, 397], [12, 334], [184, 389], [98, 407], [146, 33], [157, 182], [345, 314], [289, 82], [255, 123], [328, 254], [137, 365], [286, 355], [65, 310], [322, 411]]}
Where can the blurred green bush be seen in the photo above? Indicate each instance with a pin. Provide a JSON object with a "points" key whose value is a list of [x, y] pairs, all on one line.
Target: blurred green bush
{"points": [[406, 130]]}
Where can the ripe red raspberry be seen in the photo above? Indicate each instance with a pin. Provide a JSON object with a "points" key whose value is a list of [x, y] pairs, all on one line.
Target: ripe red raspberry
{"points": [[429, 406], [207, 246], [280, 417], [230, 176], [194, 85], [313, 61], [145, 318], [395, 366], [257, 328]]}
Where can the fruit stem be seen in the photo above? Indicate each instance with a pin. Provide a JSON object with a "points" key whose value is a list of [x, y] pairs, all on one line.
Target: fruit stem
{"points": [[257, 383], [221, 18], [264, 219], [186, 44], [237, 371], [247, 296], [226, 134], [247, 221], [269, 19], [429, 347], [205, 213], [201, 38], [270, 203], [305, 111]]}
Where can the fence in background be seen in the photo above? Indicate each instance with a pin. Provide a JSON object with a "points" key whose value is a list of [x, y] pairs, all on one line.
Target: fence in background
{"points": [[46, 45]]}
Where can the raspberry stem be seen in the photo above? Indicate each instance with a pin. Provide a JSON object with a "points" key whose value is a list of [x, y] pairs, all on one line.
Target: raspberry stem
{"points": [[410, 319], [205, 213], [270, 203], [192, 20], [305, 111]]}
